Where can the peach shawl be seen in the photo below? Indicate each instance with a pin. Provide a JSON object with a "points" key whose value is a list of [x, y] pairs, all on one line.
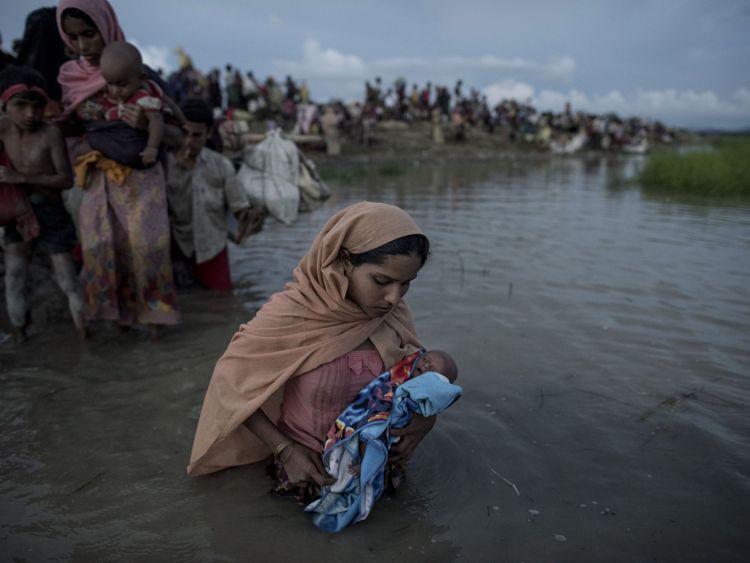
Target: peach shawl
{"points": [[307, 324]]}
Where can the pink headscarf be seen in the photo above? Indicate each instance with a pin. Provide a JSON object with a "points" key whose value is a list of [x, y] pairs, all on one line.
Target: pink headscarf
{"points": [[79, 79]]}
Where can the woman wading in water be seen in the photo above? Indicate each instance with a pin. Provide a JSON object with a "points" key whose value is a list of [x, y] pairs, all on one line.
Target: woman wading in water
{"points": [[123, 224], [289, 372]]}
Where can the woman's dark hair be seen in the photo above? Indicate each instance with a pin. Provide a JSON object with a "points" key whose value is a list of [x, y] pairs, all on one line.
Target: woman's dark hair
{"points": [[410, 244], [42, 48], [77, 14], [198, 111]]}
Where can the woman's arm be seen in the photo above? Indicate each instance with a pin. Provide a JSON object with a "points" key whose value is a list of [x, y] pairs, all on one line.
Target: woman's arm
{"points": [[302, 465], [155, 136], [173, 136], [134, 116], [411, 435], [172, 106]]}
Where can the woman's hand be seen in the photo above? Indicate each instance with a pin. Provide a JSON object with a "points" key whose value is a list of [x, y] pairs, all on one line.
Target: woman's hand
{"points": [[304, 466], [79, 148], [411, 435], [134, 116]]}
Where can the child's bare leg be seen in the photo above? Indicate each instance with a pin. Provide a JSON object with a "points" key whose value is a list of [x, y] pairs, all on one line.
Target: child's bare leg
{"points": [[16, 268], [65, 275]]}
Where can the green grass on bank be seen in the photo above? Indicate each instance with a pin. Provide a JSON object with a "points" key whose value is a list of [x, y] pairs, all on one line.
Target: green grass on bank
{"points": [[723, 170], [349, 172]]}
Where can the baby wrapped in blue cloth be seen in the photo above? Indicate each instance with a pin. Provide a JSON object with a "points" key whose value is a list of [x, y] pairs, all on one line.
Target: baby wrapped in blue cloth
{"points": [[356, 448]]}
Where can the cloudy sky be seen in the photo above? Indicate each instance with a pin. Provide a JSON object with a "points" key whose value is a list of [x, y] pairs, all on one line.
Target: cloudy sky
{"points": [[683, 61]]}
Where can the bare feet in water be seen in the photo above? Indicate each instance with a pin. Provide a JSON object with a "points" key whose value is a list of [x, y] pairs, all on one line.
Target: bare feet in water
{"points": [[83, 333], [19, 334], [154, 331]]}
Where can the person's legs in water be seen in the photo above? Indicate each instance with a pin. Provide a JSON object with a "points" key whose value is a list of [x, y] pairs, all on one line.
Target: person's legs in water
{"points": [[214, 274], [67, 280], [154, 332], [16, 269]]}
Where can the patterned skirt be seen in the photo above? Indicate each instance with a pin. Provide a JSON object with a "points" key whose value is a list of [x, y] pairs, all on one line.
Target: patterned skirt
{"points": [[125, 241]]}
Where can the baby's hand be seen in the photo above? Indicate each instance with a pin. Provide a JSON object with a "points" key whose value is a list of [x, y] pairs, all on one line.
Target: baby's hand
{"points": [[354, 469], [149, 155]]}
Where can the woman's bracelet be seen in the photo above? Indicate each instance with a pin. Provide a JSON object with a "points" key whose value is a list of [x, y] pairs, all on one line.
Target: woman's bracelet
{"points": [[281, 447], [291, 451]]}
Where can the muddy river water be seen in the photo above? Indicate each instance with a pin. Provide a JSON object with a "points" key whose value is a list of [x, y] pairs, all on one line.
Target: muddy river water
{"points": [[603, 344]]}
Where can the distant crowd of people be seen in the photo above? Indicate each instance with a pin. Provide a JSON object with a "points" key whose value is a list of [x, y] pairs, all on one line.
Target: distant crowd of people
{"points": [[288, 104], [518, 121]]}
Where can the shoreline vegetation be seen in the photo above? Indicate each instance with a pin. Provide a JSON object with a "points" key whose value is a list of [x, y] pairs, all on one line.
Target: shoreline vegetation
{"points": [[721, 168]]}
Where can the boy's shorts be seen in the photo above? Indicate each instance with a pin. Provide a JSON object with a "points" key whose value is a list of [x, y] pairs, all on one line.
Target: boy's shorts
{"points": [[56, 230]]}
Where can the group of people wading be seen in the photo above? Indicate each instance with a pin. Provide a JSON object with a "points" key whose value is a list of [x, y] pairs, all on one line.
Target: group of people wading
{"points": [[141, 191]]}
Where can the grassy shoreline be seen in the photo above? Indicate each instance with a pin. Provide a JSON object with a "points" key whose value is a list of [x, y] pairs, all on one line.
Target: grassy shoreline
{"points": [[722, 169]]}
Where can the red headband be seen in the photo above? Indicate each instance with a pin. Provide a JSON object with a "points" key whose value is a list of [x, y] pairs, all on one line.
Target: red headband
{"points": [[18, 89]]}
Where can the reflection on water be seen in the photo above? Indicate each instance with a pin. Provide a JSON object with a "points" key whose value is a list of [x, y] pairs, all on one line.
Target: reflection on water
{"points": [[602, 344]]}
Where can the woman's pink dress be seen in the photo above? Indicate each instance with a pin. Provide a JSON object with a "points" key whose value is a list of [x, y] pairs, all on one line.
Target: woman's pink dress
{"points": [[313, 400]]}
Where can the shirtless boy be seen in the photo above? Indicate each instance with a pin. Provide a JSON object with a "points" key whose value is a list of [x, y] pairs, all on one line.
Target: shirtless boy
{"points": [[37, 153]]}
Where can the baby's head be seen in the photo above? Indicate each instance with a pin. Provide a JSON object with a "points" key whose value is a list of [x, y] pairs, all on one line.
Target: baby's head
{"points": [[23, 96], [438, 361], [122, 69]]}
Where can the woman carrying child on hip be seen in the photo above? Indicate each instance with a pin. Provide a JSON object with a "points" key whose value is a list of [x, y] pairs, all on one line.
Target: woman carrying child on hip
{"points": [[122, 219]]}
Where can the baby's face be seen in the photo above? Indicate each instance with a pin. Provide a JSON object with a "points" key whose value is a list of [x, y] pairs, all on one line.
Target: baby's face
{"points": [[123, 77], [123, 88], [438, 362]]}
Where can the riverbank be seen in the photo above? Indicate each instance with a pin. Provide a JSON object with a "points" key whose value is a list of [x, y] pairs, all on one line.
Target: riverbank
{"points": [[400, 140]]}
